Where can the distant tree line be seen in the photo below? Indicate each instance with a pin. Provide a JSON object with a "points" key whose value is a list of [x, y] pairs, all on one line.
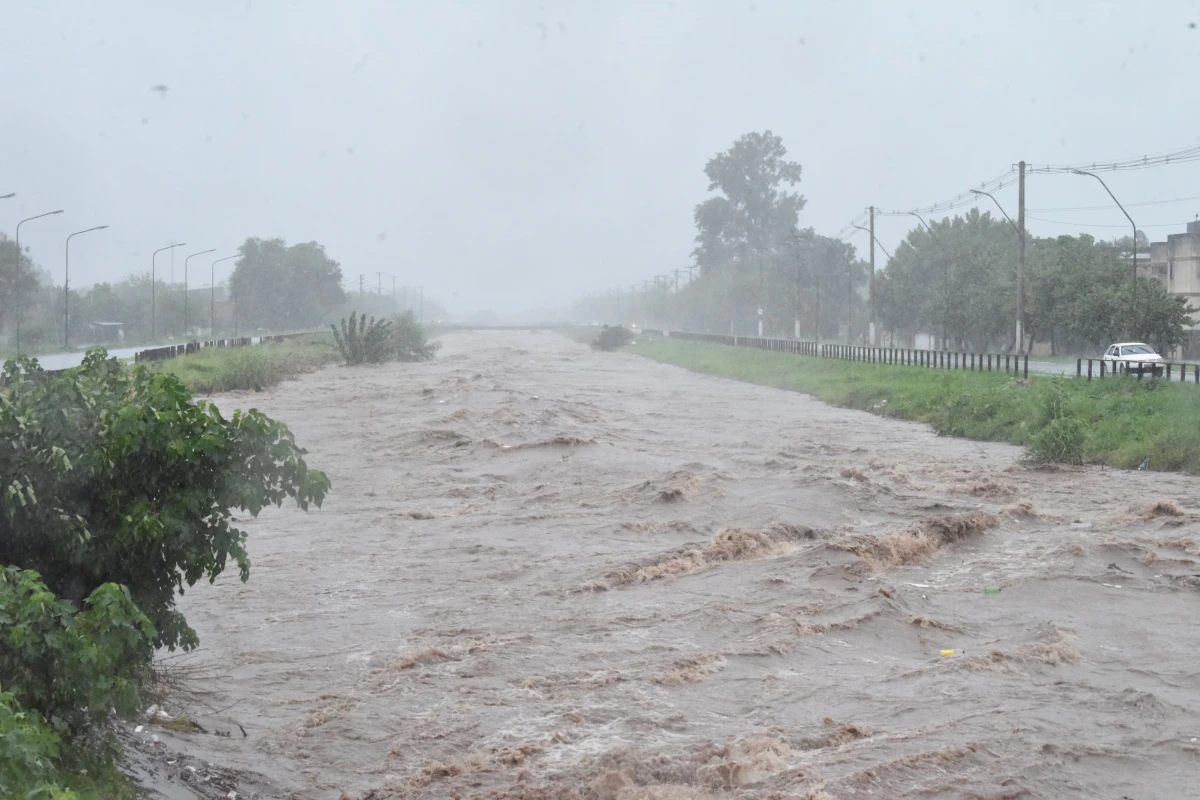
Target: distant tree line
{"points": [[955, 283], [274, 287]]}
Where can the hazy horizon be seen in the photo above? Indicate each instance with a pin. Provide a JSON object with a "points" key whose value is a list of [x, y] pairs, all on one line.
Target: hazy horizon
{"points": [[519, 155]]}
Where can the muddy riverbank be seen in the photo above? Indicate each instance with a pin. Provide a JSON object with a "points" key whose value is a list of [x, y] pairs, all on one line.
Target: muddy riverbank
{"points": [[545, 572]]}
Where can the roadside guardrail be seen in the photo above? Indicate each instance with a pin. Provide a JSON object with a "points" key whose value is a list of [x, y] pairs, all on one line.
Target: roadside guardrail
{"points": [[931, 359]]}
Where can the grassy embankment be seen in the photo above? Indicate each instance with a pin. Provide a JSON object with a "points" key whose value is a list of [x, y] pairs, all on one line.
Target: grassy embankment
{"points": [[1118, 422], [257, 367]]}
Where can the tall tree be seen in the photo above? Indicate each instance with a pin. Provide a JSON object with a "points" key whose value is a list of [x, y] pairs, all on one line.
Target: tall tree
{"points": [[18, 280], [279, 287], [741, 229]]}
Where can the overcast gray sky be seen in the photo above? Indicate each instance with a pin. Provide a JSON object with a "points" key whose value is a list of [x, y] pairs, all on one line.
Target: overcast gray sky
{"points": [[516, 154]]}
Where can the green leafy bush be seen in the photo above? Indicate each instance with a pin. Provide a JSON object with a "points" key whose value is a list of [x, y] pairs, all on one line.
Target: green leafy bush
{"points": [[72, 666], [110, 475], [363, 342], [409, 340], [612, 338], [29, 753]]}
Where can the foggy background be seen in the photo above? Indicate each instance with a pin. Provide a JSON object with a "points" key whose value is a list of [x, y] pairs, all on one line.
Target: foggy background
{"points": [[514, 155]]}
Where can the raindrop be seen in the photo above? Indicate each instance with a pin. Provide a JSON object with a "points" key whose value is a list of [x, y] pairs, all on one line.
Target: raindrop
{"points": [[145, 120], [801, 40]]}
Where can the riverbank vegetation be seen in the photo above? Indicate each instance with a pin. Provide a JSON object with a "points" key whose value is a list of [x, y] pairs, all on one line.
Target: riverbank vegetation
{"points": [[117, 491], [1119, 422]]}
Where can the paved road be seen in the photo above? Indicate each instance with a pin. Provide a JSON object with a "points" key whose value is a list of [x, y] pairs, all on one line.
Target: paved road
{"points": [[1052, 367], [67, 360]]}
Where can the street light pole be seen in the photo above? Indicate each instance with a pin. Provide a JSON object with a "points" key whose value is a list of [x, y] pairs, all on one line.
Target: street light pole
{"points": [[185, 286], [153, 280], [67, 286], [212, 295], [1133, 286], [17, 267], [1020, 271]]}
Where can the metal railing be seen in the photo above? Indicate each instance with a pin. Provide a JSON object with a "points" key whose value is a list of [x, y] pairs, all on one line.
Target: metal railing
{"points": [[1101, 368], [930, 359], [176, 350]]}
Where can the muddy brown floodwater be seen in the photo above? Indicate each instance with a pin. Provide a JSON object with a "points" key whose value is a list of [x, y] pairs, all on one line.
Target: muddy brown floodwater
{"points": [[545, 572]]}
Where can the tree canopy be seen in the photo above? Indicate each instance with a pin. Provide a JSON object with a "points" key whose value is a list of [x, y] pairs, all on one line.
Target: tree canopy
{"points": [[281, 287]]}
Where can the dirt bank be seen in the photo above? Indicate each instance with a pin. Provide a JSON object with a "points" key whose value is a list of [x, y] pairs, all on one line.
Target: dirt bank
{"points": [[545, 572]]}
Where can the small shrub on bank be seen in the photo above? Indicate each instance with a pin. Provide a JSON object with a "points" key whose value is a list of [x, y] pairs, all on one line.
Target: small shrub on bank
{"points": [[362, 341], [1059, 434], [409, 340], [612, 338]]}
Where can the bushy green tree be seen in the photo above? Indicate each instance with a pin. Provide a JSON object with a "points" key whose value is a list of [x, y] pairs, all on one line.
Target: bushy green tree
{"points": [[410, 342], [112, 475], [282, 287]]}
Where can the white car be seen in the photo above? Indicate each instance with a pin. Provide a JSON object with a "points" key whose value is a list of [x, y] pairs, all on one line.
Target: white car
{"points": [[1130, 356]]}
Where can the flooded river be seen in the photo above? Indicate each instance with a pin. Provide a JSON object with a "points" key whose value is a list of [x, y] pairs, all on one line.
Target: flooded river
{"points": [[545, 572]]}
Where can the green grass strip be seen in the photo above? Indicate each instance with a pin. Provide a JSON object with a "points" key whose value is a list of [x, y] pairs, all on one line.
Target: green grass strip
{"points": [[254, 367], [1119, 421]]}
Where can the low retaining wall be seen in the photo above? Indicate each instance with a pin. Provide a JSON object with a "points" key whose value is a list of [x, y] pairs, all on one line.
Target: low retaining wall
{"points": [[176, 350]]}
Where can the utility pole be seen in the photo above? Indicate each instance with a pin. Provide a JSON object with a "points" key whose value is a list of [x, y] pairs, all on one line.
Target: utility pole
{"points": [[393, 288], [360, 285], [379, 283], [1021, 259], [871, 285], [796, 306], [677, 271]]}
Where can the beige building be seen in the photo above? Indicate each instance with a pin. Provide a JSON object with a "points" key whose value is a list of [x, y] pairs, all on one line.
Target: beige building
{"points": [[1176, 262]]}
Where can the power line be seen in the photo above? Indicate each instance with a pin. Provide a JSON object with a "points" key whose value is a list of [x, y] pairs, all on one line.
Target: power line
{"points": [[1092, 225], [961, 200], [1009, 177], [852, 224], [1183, 156], [1128, 205]]}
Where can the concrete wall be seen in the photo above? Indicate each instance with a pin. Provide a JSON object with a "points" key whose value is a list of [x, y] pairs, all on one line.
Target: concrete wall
{"points": [[1176, 262]]}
